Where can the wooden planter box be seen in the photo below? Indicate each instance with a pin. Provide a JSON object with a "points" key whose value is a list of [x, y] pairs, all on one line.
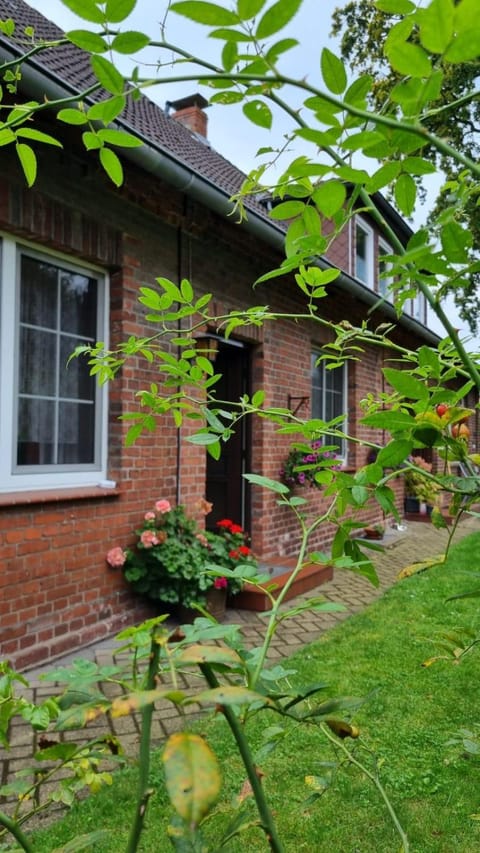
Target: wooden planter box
{"points": [[311, 576]]}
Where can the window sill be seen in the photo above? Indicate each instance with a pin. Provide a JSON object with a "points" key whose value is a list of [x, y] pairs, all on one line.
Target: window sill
{"points": [[42, 496]]}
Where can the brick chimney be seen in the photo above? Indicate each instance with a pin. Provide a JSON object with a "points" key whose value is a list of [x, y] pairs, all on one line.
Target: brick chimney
{"points": [[190, 112]]}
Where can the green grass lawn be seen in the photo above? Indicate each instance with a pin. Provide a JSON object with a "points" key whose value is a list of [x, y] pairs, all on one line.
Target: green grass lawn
{"points": [[408, 721]]}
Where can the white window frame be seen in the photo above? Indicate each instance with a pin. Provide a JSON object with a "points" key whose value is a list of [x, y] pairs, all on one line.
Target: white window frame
{"points": [[384, 282], [12, 478], [342, 452], [369, 279]]}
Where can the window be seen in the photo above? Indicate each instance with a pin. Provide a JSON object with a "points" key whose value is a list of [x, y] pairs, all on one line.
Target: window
{"points": [[363, 252], [329, 395], [418, 307], [52, 413], [384, 279]]}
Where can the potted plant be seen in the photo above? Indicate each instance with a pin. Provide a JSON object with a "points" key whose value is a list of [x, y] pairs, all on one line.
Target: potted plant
{"points": [[304, 464], [421, 493], [374, 531], [177, 563]]}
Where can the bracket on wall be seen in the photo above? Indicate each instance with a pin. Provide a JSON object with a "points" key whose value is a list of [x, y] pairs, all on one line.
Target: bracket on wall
{"points": [[302, 401]]}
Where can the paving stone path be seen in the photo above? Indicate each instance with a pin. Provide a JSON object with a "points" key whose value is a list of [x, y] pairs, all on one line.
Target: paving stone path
{"points": [[420, 540]]}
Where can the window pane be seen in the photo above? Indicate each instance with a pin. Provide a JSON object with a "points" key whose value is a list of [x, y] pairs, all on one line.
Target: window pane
{"points": [[36, 431], [75, 381], [38, 293], [361, 266], [37, 355], [78, 304], [76, 432]]}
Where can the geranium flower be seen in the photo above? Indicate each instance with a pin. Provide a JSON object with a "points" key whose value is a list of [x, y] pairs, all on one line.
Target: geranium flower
{"points": [[148, 538], [116, 557], [220, 583], [149, 516], [225, 522], [235, 528], [162, 507]]}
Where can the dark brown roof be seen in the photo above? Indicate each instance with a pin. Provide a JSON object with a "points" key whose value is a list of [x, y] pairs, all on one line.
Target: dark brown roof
{"points": [[70, 66]]}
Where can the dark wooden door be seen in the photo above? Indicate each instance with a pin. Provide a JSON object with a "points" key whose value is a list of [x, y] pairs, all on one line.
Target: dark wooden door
{"points": [[226, 488]]}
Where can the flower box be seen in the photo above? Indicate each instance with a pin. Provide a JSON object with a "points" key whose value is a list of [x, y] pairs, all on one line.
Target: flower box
{"points": [[310, 576]]}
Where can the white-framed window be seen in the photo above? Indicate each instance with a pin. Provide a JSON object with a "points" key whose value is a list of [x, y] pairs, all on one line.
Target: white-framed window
{"points": [[329, 396], [364, 252], [52, 413], [385, 278]]}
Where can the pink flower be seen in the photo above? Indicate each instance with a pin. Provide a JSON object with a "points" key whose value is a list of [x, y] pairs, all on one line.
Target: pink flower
{"points": [[116, 557], [148, 538], [202, 539], [162, 507], [149, 516], [220, 583]]}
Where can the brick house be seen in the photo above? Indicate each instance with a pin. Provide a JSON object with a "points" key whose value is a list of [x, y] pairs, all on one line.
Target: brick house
{"points": [[74, 251]]}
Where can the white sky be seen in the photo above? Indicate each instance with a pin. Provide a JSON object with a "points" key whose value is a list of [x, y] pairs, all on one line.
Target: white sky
{"points": [[229, 132]]}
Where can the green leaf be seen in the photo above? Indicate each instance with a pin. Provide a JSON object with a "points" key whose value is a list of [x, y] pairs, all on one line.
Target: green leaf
{"points": [[84, 39], [249, 8], [202, 438], [258, 113], [333, 72], [386, 174], [287, 210], [410, 59], [28, 162], [394, 453], [330, 197], [436, 25], [405, 384], [192, 776], [277, 17], [455, 242], [230, 696], [229, 55], [91, 141], [395, 7], [7, 136], [267, 483], [70, 116], [107, 75], [205, 13], [85, 9], [130, 41], [118, 10], [391, 420], [120, 138], [405, 194], [112, 166], [108, 110], [31, 133]]}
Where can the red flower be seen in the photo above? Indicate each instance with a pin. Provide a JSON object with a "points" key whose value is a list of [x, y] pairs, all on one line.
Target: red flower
{"points": [[220, 583], [235, 528], [234, 554], [244, 551], [225, 522]]}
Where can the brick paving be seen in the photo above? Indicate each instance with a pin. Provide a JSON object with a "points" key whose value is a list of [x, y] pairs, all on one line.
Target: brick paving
{"points": [[420, 541]]}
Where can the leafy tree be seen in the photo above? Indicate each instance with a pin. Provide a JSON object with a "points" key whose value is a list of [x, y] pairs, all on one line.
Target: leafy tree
{"points": [[454, 114]]}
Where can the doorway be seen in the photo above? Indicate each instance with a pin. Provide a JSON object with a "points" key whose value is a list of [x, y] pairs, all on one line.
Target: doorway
{"points": [[226, 488]]}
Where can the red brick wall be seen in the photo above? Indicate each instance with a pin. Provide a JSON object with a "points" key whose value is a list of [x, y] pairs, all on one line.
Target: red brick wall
{"points": [[56, 590]]}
